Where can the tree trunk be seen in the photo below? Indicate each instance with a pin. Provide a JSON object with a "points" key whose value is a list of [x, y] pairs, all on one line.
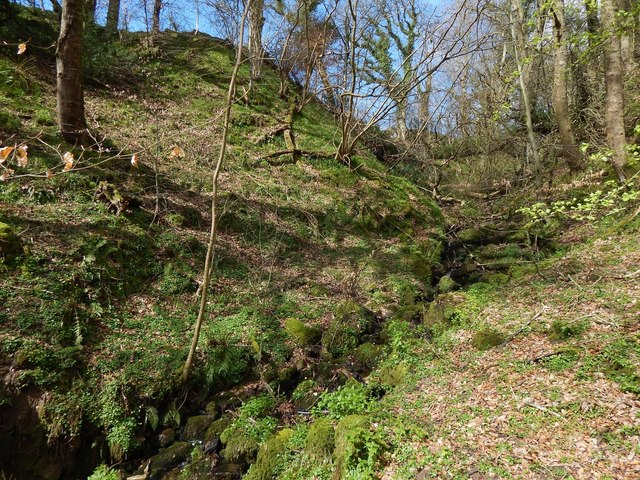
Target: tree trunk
{"points": [[569, 150], [208, 263], [113, 17], [614, 102], [70, 97], [89, 11], [157, 8], [518, 41], [256, 24]]}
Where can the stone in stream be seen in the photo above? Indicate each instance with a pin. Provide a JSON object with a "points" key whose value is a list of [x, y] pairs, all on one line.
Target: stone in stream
{"points": [[167, 459], [166, 437], [196, 427]]}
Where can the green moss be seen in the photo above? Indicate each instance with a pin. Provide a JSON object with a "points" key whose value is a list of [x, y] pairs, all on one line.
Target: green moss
{"points": [[196, 427], [268, 460], [10, 246], [446, 284], [217, 427], [393, 375], [300, 333], [320, 440], [357, 449], [487, 338], [351, 321], [562, 329], [368, 354], [306, 394], [495, 278]]}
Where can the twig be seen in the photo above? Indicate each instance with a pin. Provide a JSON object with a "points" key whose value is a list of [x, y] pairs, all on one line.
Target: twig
{"points": [[542, 409], [521, 329]]}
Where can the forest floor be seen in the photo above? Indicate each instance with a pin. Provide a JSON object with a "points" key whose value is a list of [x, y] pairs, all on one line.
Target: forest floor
{"points": [[558, 397]]}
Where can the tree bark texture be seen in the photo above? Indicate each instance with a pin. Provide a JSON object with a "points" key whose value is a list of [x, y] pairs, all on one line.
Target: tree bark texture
{"points": [[517, 19], [157, 8], [614, 82], [70, 96], [113, 17], [569, 150], [256, 24]]}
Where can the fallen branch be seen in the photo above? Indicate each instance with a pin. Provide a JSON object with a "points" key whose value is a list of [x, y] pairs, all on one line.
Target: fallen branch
{"points": [[541, 408], [545, 356], [522, 328], [271, 133], [297, 151]]}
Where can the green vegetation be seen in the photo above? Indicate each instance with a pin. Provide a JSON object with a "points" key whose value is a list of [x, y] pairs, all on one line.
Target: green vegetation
{"points": [[352, 323]]}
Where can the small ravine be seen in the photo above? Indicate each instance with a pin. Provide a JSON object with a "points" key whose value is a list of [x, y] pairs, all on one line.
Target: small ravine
{"points": [[479, 254]]}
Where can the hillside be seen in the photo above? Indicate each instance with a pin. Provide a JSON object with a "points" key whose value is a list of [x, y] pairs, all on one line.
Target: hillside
{"points": [[97, 310], [356, 328]]}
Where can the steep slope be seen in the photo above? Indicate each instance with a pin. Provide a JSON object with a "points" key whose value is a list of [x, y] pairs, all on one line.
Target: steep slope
{"points": [[97, 292]]}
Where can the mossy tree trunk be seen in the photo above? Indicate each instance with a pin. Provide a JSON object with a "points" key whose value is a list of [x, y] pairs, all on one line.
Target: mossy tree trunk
{"points": [[70, 94], [113, 17]]}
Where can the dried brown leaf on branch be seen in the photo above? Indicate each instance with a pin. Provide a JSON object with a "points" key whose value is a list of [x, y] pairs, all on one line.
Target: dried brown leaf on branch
{"points": [[6, 174], [23, 156], [22, 48], [5, 152], [69, 160]]}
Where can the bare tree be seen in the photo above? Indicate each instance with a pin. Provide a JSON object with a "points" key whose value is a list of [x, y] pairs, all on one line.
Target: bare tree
{"points": [[517, 20], [206, 276], [256, 50]]}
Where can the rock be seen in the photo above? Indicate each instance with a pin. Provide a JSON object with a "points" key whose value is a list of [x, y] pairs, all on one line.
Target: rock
{"points": [[166, 437], [301, 334], [212, 446], [267, 461], [168, 458], [196, 427], [216, 428], [320, 440], [213, 410], [10, 246]]}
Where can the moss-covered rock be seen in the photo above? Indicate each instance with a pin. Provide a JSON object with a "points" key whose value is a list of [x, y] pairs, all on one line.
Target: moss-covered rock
{"points": [[357, 447], [446, 284], [487, 338], [393, 375], [10, 246], [320, 440], [265, 467], [217, 427], [306, 394], [471, 235], [196, 427], [169, 458], [350, 323], [301, 334], [368, 355]]}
